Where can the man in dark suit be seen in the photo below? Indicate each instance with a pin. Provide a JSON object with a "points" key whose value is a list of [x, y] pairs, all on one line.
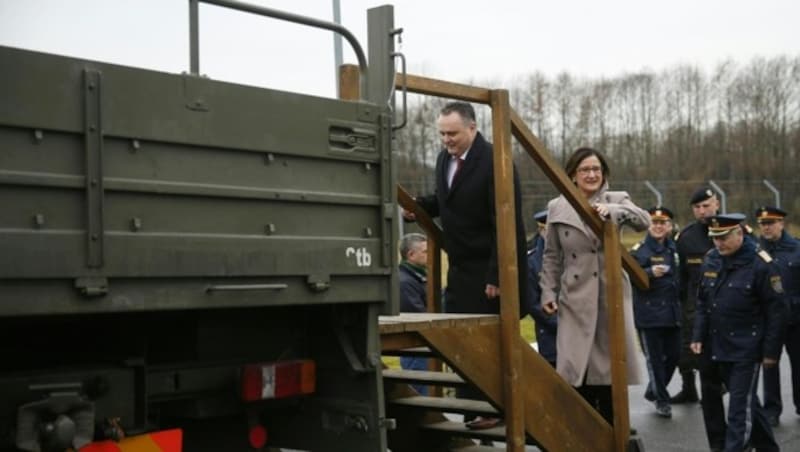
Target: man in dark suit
{"points": [[464, 201]]}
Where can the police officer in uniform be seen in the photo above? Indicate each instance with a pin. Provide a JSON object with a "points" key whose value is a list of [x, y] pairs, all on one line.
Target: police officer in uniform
{"points": [[657, 310], [738, 322], [785, 249], [693, 243], [546, 325]]}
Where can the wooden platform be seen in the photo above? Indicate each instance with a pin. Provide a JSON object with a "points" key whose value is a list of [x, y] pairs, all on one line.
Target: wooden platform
{"points": [[401, 331], [408, 322]]}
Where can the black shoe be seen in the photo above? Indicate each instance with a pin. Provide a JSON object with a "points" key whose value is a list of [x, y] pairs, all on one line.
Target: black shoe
{"points": [[633, 431], [649, 396], [664, 410], [685, 397]]}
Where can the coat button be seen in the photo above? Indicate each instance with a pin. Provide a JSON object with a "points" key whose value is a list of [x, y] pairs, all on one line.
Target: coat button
{"points": [[574, 256], [754, 333], [576, 276], [595, 274]]}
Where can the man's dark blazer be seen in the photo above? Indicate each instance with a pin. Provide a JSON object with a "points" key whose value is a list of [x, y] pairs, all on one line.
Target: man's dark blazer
{"points": [[467, 215]]}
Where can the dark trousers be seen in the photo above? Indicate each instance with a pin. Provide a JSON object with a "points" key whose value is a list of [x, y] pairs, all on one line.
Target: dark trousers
{"points": [[773, 405], [793, 350], [661, 347], [747, 423], [466, 293], [711, 401], [466, 289], [688, 360], [599, 397]]}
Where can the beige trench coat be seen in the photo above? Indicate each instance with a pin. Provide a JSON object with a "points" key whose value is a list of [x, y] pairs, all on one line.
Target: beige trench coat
{"points": [[572, 274]]}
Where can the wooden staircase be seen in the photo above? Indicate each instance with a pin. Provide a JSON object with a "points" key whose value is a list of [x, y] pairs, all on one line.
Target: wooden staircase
{"points": [[487, 352], [468, 344]]}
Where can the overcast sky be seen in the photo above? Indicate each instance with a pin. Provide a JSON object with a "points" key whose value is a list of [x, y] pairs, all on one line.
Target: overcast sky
{"points": [[460, 40]]}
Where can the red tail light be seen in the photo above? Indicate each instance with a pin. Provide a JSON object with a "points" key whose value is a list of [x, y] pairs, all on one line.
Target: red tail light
{"points": [[278, 380]]}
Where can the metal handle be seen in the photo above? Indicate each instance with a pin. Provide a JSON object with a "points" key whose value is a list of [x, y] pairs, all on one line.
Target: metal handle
{"points": [[194, 52], [405, 90], [233, 287]]}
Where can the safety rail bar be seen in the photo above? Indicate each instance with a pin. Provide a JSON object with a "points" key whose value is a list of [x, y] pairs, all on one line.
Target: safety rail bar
{"points": [[194, 31]]}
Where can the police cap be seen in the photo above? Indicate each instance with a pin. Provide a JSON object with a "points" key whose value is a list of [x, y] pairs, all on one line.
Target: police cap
{"points": [[768, 214], [701, 194], [540, 216], [660, 213], [720, 225]]}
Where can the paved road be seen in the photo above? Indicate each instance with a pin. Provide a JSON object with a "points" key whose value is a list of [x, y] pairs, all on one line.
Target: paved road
{"points": [[685, 431]]}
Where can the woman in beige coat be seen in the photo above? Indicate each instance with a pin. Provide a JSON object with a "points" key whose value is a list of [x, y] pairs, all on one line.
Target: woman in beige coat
{"points": [[573, 282]]}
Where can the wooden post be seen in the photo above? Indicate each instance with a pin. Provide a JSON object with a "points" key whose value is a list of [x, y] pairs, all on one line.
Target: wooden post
{"points": [[616, 328], [506, 230], [348, 82]]}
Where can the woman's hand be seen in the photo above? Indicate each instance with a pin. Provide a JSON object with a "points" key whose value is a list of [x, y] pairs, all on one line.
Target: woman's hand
{"points": [[550, 307], [602, 210]]}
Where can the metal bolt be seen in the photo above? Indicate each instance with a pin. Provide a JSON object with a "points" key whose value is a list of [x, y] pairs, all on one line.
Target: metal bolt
{"points": [[367, 232], [136, 224], [270, 229], [38, 220], [94, 237], [38, 135], [135, 144]]}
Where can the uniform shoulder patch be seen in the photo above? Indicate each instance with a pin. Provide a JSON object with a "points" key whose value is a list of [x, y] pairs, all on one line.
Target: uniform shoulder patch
{"points": [[636, 246], [677, 236], [764, 256]]}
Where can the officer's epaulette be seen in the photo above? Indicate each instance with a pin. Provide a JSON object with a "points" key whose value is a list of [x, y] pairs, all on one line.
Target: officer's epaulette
{"points": [[763, 254], [636, 246], [678, 234]]}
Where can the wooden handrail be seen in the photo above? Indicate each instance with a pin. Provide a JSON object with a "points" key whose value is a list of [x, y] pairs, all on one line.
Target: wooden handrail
{"points": [[434, 233]]}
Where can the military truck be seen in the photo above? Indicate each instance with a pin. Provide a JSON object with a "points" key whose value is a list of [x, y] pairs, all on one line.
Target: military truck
{"points": [[196, 257]]}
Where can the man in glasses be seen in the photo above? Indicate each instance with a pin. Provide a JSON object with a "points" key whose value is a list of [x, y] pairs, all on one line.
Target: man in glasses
{"points": [[785, 249]]}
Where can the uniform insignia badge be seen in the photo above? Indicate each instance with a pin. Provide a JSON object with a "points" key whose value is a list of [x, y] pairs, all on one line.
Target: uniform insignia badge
{"points": [[636, 246], [776, 283], [710, 275], [765, 256]]}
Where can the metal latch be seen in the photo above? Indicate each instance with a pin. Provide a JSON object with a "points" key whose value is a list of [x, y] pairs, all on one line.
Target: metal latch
{"points": [[351, 139], [92, 286]]}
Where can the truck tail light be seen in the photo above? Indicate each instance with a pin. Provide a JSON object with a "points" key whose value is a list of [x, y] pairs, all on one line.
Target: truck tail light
{"points": [[278, 380]]}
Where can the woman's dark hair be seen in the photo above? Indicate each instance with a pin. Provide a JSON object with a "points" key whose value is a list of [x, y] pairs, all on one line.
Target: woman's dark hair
{"points": [[580, 155]]}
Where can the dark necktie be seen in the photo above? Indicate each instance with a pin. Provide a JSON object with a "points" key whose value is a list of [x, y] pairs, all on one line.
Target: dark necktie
{"points": [[459, 164]]}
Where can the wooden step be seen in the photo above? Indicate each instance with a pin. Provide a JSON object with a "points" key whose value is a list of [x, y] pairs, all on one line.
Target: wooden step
{"points": [[451, 428], [418, 352], [424, 377], [447, 405], [478, 449]]}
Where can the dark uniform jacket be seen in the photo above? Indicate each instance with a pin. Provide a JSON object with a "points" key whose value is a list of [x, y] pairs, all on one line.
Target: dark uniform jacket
{"points": [[412, 289], [740, 306], [786, 252], [546, 325], [692, 244], [467, 213], [659, 305]]}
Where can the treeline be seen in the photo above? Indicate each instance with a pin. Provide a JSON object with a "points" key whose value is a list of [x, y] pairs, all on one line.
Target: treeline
{"points": [[737, 125]]}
